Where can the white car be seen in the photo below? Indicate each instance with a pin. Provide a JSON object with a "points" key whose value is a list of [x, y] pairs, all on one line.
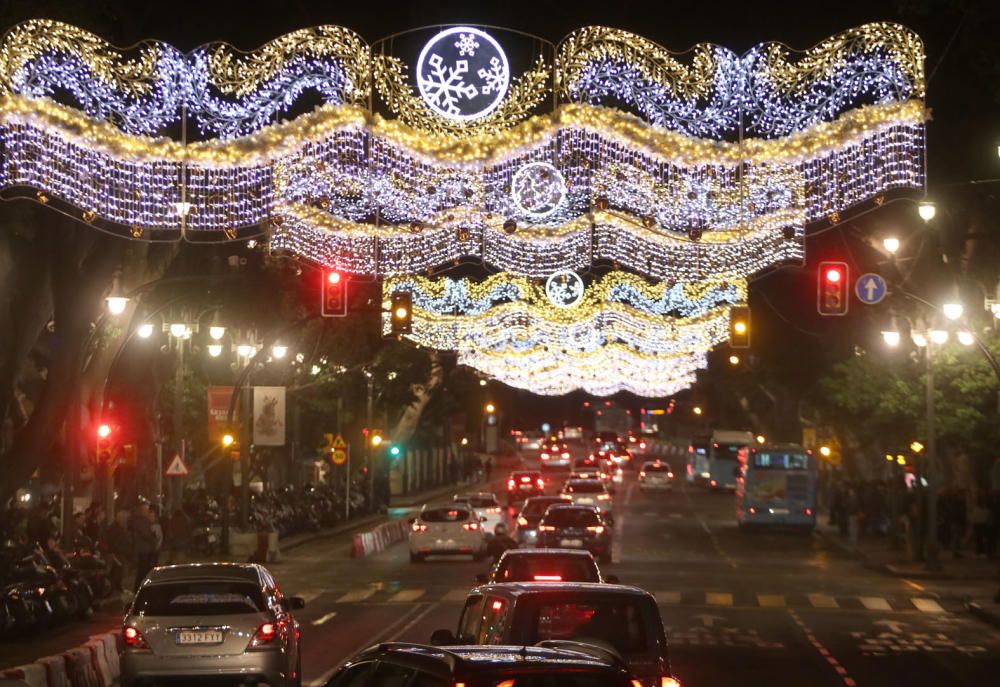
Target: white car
{"points": [[656, 475], [589, 492], [449, 528], [487, 508]]}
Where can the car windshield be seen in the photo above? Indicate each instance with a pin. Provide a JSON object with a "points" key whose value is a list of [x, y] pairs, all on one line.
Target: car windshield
{"points": [[537, 507], [445, 515], [479, 501], [662, 467], [603, 619], [547, 568], [571, 517], [199, 597], [588, 486]]}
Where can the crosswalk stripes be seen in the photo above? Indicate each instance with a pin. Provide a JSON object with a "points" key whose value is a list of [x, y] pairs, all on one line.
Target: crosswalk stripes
{"points": [[677, 598]]}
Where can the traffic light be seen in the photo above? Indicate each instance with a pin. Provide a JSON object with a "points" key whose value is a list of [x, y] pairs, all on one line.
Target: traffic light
{"points": [[228, 440], [401, 312], [105, 444], [395, 451], [334, 294], [831, 289], [739, 327]]}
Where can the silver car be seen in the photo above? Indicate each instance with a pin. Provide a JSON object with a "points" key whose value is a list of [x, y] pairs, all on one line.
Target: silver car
{"points": [[211, 620]]}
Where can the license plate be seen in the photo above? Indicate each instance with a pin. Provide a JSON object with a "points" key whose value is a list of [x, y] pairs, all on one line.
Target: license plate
{"points": [[780, 511], [569, 543], [200, 637], [526, 487], [586, 502]]}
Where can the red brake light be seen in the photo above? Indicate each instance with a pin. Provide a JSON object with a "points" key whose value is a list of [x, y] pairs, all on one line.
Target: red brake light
{"points": [[510, 484], [753, 511], [642, 444], [134, 639], [522, 521], [808, 511], [525, 479], [541, 484], [545, 456], [419, 527], [714, 483], [546, 528], [265, 635], [548, 578], [670, 475], [470, 526], [596, 529], [642, 473], [497, 605], [667, 681]]}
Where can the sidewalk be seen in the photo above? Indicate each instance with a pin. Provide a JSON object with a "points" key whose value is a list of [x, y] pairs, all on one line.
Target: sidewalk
{"points": [[875, 553]]}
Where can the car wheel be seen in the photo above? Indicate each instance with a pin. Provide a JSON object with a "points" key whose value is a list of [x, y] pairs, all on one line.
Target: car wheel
{"points": [[416, 557]]}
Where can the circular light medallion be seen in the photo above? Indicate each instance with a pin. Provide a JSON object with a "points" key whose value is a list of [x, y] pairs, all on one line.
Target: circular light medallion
{"points": [[538, 189], [564, 289], [462, 73]]}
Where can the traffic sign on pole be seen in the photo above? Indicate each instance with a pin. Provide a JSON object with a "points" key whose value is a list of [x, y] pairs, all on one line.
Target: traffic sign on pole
{"points": [[338, 456], [339, 443], [870, 288], [177, 468]]}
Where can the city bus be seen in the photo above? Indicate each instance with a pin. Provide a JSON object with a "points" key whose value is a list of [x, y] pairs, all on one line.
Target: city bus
{"points": [[697, 461], [724, 457], [777, 486]]}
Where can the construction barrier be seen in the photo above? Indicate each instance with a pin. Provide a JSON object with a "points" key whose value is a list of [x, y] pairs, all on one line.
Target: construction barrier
{"points": [[95, 664], [31, 675], [379, 539]]}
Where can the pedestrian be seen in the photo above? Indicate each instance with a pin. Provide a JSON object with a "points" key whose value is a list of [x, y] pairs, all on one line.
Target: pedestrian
{"points": [[981, 526], [120, 549], [146, 542], [179, 534]]}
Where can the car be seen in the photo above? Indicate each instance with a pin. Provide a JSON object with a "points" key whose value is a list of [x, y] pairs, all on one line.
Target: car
{"points": [[576, 527], [530, 441], [593, 468], [448, 528], [526, 524], [421, 665], [487, 508], [616, 617], [656, 474], [589, 492], [637, 444], [211, 620], [544, 565], [554, 455], [616, 452], [524, 484]]}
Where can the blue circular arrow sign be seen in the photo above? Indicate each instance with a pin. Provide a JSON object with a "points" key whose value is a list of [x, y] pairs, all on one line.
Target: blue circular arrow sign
{"points": [[870, 288]]}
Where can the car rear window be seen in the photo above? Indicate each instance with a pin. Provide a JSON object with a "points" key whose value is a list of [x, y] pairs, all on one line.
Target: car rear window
{"points": [[571, 517], [547, 568], [538, 507], [589, 486], [605, 619], [445, 515], [480, 501], [199, 597], [656, 468], [551, 676]]}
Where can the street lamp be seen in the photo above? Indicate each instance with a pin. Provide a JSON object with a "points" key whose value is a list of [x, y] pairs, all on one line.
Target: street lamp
{"points": [[216, 332], [144, 330], [927, 210], [891, 244], [891, 338], [179, 330], [490, 408], [734, 359], [825, 451], [919, 339], [696, 410], [953, 311], [965, 337], [215, 350], [279, 351], [761, 439], [116, 304], [939, 336]]}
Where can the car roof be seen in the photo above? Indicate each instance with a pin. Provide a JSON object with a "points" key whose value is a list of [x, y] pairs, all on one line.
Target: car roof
{"points": [[249, 572], [571, 482], [475, 658], [556, 498], [517, 589], [449, 505], [475, 495], [511, 553], [526, 472], [572, 506]]}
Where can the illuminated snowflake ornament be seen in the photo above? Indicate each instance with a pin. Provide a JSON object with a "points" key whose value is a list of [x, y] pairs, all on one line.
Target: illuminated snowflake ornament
{"points": [[462, 74], [564, 289], [538, 189]]}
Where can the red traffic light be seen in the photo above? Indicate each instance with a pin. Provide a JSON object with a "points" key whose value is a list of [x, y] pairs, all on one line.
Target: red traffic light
{"points": [[104, 431], [334, 303], [832, 298], [833, 275], [333, 277]]}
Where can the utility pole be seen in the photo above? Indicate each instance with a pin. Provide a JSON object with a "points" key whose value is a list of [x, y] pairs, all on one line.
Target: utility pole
{"points": [[931, 559]]}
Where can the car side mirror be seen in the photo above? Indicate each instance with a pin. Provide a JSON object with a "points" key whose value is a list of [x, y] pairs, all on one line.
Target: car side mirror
{"points": [[442, 637], [481, 578], [296, 603], [612, 579]]}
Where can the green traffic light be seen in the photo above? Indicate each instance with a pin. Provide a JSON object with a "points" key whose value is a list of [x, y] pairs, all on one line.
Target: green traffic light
{"points": [[394, 451]]}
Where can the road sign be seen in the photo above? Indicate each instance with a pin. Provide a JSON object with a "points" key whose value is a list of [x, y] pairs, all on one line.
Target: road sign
{"points": [[338, 456], [177, 468], [870, 288], [339, 443]]}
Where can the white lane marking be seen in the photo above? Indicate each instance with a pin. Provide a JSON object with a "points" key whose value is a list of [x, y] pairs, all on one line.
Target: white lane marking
{"points": [[417, 619], [927, 605], [374, 639], [667, 597], [356, 595], [823, 601], [875, 603], [323, 618], [458, 594], [407, 595]]}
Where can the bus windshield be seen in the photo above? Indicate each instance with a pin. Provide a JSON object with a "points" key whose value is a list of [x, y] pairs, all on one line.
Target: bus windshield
{"points": [[780, 461], [728, 451]]}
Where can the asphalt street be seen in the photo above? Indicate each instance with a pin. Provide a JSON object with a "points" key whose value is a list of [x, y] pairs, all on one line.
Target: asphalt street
{"points": [[767, 608]]}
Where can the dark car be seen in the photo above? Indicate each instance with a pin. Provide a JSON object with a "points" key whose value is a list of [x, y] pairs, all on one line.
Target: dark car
{"points": [[615, 617], [576, 527], [524, 484], [526, 532], [565, 664], [545, 565]]}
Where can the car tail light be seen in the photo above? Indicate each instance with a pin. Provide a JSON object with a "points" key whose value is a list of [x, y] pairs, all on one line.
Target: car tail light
{"points": [[642, 444], [590, 457], [493, 510], [134, 639], [419, 527], [714, 483], [753, 511], [548, 578], [541, 483], [642, 474], [525, 479], [667, 681], [470, 526], [604, 475], [546, 528], [265, 636], [670, 475], [545, 456], [565, 455], [522, 521], [604, 497], [808, 511], [510, 484], [636, 683], [497, 605], [596, 529]]}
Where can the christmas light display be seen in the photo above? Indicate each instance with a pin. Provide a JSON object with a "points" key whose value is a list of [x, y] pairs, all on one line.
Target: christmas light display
{"points": [[462, 73]]}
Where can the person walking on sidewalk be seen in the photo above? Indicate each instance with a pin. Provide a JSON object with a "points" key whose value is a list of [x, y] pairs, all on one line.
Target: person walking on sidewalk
{"points": [[146, 543]]}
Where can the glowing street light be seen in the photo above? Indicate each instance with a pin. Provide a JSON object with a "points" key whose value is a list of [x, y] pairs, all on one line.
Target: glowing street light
{"points": [[734, 360], [279, 351], [482, 382], [116, 304], [104, 431], [891, 244], [179, 330], [825, 451], [490, 408], [891, 338], [966, 338], [916, 447], [245, 350], [215, 350], [216, 332], [939, 336], [696, 410], [144, 330], [760, 439], [227, 440], [918, 339], [953, 311], [927, 210]]}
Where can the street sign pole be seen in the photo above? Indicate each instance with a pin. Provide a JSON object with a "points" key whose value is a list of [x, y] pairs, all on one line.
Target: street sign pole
{"points": [[347, 487]]}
